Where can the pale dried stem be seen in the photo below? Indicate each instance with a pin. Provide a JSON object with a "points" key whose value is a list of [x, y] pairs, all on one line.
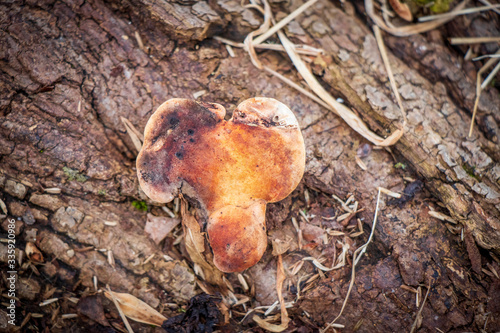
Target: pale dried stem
{"points": [[280, 278], [419, 314], [301, 49], [479, 88], [473, 40], [248, 42], [345, 113], [300, 89], [457, 13], [122, 315], [385, 58], [487, 3], [490, 77], [486, 56], [283, 22], [410, 29]]}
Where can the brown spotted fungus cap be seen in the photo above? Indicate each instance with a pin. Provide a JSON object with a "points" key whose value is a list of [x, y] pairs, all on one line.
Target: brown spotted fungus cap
{"points": [[231, 168]]}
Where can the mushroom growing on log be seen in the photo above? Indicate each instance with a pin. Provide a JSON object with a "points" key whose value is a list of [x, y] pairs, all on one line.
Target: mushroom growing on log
{"points": [[232, 169]]}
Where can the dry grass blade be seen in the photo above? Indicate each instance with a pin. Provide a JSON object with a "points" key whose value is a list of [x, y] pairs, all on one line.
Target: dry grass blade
{"points": [[300, 89], [457, 12], [473, 40], [486, 56], [168, 211], [345, 113], [355, 259], [111, 259], [321, 266], [268, 326], [487, 3], [122, 315], [48, 301], [280, 278], [418, 318], [135, 309], [139, 40], [230, 51], [283, 22], [136, 136], [69, 316], [385, 58], [490, 77], [360, 163], [410, 29], [243, 282], [248, 42], [331, 103], [479, 88], [301, 49]]}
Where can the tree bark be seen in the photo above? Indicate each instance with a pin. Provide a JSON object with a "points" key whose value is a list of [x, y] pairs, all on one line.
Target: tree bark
{"points": [[70, 70]]}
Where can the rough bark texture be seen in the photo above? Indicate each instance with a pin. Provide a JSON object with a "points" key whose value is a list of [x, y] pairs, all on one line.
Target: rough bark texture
{"points": [[69, 70]]}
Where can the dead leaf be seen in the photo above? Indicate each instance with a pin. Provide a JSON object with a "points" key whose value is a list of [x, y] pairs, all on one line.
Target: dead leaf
{"points": [[281, 246], [136, 309], [158, 227], [195, 246], [312, 233], [91, 307], [280, 278]]}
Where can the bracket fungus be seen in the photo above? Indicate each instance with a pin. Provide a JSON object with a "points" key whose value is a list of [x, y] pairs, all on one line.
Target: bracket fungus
{"points": [[232, 168]]}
